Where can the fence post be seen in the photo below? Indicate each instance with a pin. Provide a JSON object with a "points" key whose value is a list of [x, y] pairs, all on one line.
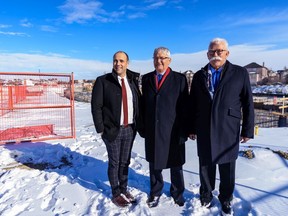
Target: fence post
{"points": [[10, 98], [282, 121], [1, 100], [256, 130]]}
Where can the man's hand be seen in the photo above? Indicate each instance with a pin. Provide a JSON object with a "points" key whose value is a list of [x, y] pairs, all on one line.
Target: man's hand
{"points": [[244, 139]]}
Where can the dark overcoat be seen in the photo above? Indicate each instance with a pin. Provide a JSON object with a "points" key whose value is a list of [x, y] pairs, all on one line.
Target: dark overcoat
{"points": [[163, 114], [106, 103], [217, 121]]}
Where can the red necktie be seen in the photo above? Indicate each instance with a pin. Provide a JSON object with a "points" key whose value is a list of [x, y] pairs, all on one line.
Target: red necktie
{"points": [[125, 104]]}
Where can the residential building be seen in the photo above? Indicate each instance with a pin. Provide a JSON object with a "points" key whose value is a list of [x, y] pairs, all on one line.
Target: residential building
{"points": [[256, 72]]}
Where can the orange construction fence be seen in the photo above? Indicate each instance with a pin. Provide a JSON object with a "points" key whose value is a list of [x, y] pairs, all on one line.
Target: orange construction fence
{"points": [[36, 106]]}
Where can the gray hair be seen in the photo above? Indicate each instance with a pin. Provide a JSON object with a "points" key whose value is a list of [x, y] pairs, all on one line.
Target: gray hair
{"points": [[162, 49], [218, 41]]}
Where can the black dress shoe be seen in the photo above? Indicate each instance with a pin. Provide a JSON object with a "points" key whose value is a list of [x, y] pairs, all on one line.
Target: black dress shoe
{"points": [[180, 201], [226, 208], [206, 202], [153, 201]]}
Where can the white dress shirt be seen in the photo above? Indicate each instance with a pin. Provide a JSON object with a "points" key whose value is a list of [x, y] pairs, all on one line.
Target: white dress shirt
{"points": [[129, 101]]}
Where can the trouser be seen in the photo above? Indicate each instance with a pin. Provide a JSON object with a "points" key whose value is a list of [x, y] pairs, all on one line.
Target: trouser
{"points": [[208, 177], [119, 154], [177, 181]]}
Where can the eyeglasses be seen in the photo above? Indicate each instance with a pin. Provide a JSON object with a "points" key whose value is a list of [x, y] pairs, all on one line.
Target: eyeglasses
{"points": [[218, 51], [160, 58]]}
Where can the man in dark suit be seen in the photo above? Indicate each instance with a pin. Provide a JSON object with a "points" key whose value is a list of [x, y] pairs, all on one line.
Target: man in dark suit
{"points": [[115, 99], [164, 94], [220, 98]]}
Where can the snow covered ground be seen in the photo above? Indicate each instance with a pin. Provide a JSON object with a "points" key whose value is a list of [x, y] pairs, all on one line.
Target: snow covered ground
{"points": [[69, 177]]}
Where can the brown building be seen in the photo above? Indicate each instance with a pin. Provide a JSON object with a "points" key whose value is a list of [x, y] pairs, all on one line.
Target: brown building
{"points": [[256, 72]]}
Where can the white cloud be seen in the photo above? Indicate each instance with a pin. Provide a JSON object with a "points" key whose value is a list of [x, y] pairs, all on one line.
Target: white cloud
{"points": [[148, 5], [4, 26], [80, 11], [272, 58], [26, 23], [156, 5], [14, 33], [136, 15], [21, 62], [239, 54], [242, 54], [266, 16], [47, 28]]}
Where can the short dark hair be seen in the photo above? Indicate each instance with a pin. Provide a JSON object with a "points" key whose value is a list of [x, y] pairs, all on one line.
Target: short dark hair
{"points": [[123, 53]]}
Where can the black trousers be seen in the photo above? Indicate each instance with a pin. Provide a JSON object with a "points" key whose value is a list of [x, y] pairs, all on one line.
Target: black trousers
{"points": [[177, 181], [119, 154], [208, 177]]}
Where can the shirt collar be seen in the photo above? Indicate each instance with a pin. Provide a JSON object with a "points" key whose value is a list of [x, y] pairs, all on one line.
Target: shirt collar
{"points": [[119, 78], [213, 69], [157, 73]]}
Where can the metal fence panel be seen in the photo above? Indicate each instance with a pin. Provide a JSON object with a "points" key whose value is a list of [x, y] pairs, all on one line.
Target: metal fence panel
{"points": [[33, 106], [268, 110]]}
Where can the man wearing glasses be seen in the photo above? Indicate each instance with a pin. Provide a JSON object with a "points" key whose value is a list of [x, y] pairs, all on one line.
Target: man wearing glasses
{"points": [[220, 98], [164, 94]]}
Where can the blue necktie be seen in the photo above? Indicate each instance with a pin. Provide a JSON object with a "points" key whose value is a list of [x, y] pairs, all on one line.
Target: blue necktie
{"points": [[216, 79], [159, 77]]}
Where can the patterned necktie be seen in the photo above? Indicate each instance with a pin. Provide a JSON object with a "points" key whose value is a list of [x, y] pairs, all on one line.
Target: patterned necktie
{"points": [[125, 104], [209, 82]]}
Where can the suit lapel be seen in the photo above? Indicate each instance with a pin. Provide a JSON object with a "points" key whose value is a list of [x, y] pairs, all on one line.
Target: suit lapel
{"points": [[166, 81], [204, 83], [226, 76], [152, 81]]}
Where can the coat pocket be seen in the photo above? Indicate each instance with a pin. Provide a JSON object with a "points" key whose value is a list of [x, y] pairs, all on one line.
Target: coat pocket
{"points": [[234, 113]]}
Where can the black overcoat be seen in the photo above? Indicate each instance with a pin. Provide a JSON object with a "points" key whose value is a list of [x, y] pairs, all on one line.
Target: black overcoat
{"points": [[163, 114], [106, 103], [217, 121]]}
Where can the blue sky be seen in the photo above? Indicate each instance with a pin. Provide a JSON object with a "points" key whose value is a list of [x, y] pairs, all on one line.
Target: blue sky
{"points": [[82, 35]]}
